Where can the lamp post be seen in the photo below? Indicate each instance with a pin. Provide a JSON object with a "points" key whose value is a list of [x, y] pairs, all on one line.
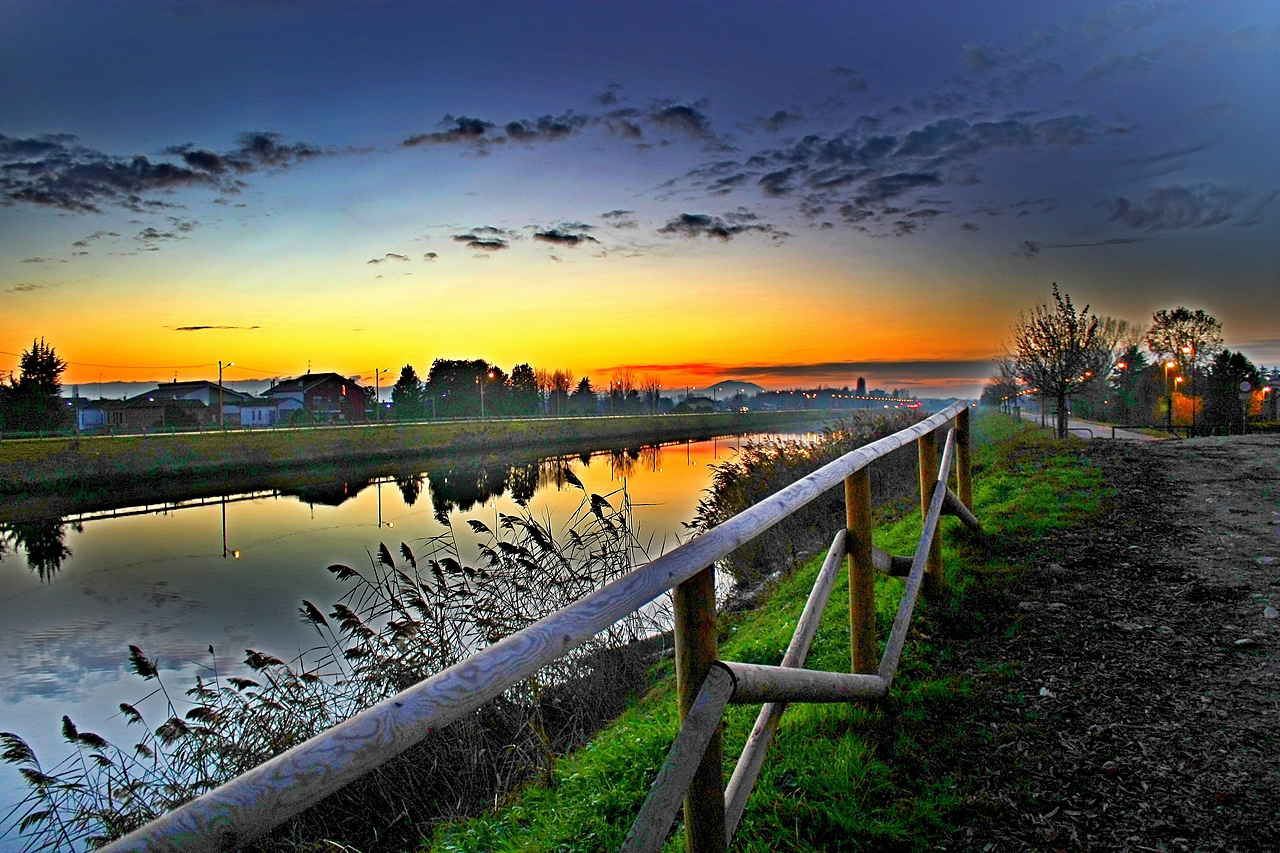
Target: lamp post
{"points": [[377, 392], [1190, 352], [482, 381], [221, 423], [1169, 390]]}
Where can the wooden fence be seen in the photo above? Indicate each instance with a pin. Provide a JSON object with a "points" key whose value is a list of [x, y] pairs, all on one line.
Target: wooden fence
{"points": [[692, 774]]}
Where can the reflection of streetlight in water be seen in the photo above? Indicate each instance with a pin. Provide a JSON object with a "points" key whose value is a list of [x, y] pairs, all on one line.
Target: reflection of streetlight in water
{"points": [[380, 521], [225, 551]]}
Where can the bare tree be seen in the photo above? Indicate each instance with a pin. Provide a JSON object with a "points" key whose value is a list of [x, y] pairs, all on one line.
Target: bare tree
{"points": [[1055, 347], [621, 384], [561, 383], [1002, 389], [650, 389]]}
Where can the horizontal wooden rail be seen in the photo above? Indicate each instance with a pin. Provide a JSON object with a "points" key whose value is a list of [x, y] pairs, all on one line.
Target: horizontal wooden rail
{"points": [[755, 683], [269, 794]]}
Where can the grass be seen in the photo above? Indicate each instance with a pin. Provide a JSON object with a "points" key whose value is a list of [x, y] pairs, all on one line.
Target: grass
{"points": [[56, 463], [839, 777]]}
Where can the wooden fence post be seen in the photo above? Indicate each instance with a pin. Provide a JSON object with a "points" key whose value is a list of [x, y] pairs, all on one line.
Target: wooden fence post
{"points": [[862, 590], [964, 460], [694, 603], [934, 582]]}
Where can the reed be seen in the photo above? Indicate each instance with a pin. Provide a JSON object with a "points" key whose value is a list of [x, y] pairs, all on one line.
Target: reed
{"points": [[404, 617]]}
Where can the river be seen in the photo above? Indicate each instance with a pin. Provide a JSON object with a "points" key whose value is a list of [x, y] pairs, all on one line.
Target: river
{"points": [[230, 569]]}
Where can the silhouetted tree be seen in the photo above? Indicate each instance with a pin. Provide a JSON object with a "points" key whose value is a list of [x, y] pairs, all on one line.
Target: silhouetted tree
{"points": [[524, 390], [583, 399], [454, 384], [407, 397], [1055, 346], [1224, 411], [32, 402]]}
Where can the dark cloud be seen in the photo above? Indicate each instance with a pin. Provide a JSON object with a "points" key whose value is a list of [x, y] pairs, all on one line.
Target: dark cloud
{"points": [[849, 80], [978, 58], [37, 260], [1031, 248], [563, 237], [620, 218], [29, 286], [56, 171], [389, 256], [609, 96], [96, 235], [1171, 154], [430, 256], [546, 128], [693, 225], [781, 120], [688, 119], [486, 238], [1259, 210], [211, 328], [969, 226], [1194, 206], [455, 130]]}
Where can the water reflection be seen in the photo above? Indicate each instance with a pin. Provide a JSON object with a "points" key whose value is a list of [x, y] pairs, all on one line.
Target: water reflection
{"points": [[43, 541]]}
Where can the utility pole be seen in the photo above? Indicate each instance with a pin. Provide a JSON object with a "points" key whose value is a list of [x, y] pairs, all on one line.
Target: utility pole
{"points": [[221, 423], [377, 392]]}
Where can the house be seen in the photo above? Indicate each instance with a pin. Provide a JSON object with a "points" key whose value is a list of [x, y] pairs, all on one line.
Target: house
{"points": [[322, 397], [696, 404], [209, 394]]}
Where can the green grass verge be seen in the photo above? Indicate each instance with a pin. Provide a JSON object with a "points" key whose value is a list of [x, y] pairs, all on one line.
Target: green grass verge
{"points": [[838, 777]]}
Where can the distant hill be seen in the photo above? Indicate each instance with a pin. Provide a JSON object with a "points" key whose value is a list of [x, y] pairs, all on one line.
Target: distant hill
{"points": [[725, 389]]}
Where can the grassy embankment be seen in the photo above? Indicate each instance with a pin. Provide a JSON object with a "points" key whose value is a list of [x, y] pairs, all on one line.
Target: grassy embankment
{"points": [[838, 777], [54, 463]]}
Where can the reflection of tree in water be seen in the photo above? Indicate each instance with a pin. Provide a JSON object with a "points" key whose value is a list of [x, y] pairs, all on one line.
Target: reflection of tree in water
{"points": [[651, 457], [523, 482], [42, 541], [557, 472], [623, 463], [462, 489], [410, 488]]}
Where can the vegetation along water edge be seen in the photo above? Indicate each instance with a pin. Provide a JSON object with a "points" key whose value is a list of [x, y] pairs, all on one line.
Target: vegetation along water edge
{"points": [[27, 465]]}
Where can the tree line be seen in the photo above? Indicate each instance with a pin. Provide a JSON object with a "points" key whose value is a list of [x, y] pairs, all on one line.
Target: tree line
{"points": [[468, 388], [1173, 372]]}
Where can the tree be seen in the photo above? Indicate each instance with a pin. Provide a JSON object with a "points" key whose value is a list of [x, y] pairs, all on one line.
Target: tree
{"points": [[1002, 389], [1187, 338], [1224, 411], [583, 399], [651, 390], [1055, 347], [33, 401], [407, 397], [524, 390], [453, 385]]}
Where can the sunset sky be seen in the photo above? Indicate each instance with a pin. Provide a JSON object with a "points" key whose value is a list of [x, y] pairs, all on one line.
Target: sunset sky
{"points": [[781, 193]]}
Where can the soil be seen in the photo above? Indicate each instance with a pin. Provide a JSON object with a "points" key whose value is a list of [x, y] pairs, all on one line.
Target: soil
{"points": [[1141, 711]]}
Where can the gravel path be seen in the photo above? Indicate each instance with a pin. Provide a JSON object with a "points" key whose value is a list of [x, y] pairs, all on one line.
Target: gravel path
{"points": [[1142, 713]]}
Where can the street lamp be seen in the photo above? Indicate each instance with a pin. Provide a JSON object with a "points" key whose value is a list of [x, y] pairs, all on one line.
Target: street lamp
{"points": [[221, 424], [377, 391], [490, 375], [1169, 388], [1190, 352]]}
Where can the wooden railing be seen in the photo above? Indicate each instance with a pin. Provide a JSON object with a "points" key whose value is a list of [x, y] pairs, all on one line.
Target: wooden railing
{"points": [[264, 797]]}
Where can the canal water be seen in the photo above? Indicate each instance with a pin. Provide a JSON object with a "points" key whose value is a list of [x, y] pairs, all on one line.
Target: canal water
{"points": [[229, 570]]}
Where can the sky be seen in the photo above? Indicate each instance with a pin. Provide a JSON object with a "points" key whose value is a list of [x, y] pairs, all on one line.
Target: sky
{"points": [[788, 194]]}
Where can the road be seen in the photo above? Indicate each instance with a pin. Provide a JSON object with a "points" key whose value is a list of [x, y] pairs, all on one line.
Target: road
{"points": [[1091, 429]]}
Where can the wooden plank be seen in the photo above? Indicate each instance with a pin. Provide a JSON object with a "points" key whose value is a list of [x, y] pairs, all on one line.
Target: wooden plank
{"points": [[699, 728], [863, 648], [899, 567], [964, 458], [952, 505], [755, 683], [934, 583], [694, 605], [280, 788], [902, 621], [749, 763]]}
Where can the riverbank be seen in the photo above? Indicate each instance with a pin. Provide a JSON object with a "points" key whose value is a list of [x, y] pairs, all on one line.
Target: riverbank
{"points": [[45, 465]]}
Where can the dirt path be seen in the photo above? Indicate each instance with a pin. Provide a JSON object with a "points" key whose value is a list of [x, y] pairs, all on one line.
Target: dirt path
{"points": [[1143, 712]]}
